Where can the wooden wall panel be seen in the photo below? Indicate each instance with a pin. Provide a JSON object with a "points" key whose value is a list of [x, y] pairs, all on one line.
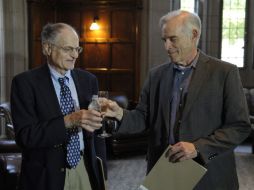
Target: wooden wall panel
{"points": [[103, 81], [96, 56], [39, 16], [37, 57], [36, 26], [122, 56], [72, 17], [48, 15], [123, 25]]}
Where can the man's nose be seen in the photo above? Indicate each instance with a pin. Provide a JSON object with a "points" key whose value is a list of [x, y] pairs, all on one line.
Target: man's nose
{"points": [[168, 44], [75, 53]]}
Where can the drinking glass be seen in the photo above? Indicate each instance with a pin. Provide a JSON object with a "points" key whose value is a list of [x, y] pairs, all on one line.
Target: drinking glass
{"points": [[104, 134]]}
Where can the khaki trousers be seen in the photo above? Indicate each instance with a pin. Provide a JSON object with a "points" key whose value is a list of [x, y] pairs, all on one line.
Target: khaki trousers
{"points": [[77, 178]]}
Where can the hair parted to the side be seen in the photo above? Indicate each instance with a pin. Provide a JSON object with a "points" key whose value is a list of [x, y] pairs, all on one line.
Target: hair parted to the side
{"points": [[191, 21], [51, 30]]}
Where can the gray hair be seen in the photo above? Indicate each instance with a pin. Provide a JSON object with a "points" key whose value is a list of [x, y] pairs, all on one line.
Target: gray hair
{"points": [[50, 31], [190, 22]]}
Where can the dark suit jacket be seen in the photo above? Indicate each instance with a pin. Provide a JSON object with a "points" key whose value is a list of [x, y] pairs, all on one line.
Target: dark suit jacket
{"points": [[215, 118], [40, 130]]}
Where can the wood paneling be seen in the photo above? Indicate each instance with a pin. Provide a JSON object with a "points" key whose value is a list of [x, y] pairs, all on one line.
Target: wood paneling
{"points": [[103, 81], [111, 53], [123, 24], [71, 17], [96, 55], [38, 56], [123, 56]]}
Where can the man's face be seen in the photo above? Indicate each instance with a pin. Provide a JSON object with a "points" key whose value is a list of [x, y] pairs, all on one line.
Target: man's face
{"points": [[178, 44], [62, 56]]}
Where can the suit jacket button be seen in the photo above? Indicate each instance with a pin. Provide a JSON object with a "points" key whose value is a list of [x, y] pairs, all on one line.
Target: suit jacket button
{"points": [[62, 169]]}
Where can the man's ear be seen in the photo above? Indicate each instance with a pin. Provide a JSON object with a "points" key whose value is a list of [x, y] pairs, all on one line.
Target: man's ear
{"points": [[195, 34], [46, 49]]}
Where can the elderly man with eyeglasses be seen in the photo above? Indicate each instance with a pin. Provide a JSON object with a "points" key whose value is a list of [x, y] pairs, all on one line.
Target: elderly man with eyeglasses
{"points": [[52, 124]]}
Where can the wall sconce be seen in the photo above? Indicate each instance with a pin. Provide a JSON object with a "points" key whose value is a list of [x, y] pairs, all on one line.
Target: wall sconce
{"points": [[94, 25]]}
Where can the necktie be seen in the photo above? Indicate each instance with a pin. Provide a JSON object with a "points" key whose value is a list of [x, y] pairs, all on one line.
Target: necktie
{"points": [[67, 107]]}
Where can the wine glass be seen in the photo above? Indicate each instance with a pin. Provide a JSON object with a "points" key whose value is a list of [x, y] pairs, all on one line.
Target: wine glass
{"points": [[104, 134]]}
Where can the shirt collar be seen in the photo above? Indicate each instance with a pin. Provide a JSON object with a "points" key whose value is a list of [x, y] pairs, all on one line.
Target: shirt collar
{"points": [[56, 75], [192, 65]]}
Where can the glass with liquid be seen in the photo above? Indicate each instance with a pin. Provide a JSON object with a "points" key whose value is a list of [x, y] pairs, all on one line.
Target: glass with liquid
{"points": [[104, 134]]}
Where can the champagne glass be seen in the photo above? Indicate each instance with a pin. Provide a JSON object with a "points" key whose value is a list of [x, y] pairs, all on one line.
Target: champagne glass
{"points": [[104, 134]]}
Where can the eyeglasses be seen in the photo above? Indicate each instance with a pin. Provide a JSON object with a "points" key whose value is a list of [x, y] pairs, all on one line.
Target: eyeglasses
{"points": [[69, 49]]}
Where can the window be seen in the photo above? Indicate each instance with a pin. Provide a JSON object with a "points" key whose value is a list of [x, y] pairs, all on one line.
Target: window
{"points": [[188, 5], [233, 30]]}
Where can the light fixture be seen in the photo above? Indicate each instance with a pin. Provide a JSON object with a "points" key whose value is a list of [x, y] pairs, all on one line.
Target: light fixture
{"points": [[94, 25]]}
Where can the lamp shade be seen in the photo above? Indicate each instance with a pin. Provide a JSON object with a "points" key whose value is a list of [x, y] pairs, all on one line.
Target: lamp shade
{"points": [[94, 26]]}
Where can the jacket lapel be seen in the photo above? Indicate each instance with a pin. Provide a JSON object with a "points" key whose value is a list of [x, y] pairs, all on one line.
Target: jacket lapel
{"points": [[81, 91], [165, 94], [200, 76], [47, 91], [77, 85]]}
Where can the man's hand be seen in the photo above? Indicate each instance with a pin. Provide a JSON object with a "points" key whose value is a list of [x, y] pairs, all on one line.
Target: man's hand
{"points": [[89, 120], [181, 151], [112, 109]]}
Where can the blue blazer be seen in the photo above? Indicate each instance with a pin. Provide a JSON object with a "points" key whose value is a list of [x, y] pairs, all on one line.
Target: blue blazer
{"points": [[40, 130]]}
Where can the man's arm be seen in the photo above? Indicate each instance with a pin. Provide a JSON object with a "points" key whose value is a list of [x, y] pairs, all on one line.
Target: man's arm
{"points": [[236, 124], [34, 132], [132, 121], [30, 131], [234, 129]]}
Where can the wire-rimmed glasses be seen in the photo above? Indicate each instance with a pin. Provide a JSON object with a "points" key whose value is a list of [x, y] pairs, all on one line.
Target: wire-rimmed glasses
{"points": [[69, 49]]}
